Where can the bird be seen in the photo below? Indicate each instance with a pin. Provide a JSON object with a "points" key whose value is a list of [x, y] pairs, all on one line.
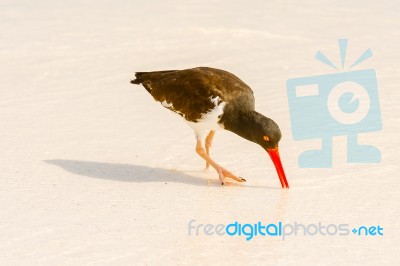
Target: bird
{"points": [[211, 99]]}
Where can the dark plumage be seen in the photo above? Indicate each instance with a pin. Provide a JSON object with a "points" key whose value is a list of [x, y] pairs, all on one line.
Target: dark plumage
{"points": [[208, 99], [196, 85]]}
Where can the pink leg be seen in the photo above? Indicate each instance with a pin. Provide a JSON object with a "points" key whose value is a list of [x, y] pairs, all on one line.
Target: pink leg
{"points": [[222, 172], [209, 139]]}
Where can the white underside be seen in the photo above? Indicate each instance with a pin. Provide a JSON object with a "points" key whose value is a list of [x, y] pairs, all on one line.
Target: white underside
{"points": [[209, 120]]}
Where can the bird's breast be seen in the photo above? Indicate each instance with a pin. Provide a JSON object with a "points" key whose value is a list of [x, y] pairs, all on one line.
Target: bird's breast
{"points": [[210, 119]]}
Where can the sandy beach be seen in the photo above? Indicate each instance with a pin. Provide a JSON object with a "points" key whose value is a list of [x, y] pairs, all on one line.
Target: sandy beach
{"points": [[93, 171]]}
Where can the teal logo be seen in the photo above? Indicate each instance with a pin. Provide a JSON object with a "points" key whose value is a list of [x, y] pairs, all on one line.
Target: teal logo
{"points": [[345, 103]]}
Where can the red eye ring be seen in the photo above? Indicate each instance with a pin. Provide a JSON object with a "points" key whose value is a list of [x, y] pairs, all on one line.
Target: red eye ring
{"points": [[266, 138]]}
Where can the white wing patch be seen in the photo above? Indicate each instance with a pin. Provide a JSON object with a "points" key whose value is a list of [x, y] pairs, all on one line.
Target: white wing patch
{"points": [[209, 120], [166, 105], [170, 106], [215, 100]]}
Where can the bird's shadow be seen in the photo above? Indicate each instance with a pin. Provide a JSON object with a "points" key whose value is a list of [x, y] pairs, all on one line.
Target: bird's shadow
{"points": [[129, 172]]}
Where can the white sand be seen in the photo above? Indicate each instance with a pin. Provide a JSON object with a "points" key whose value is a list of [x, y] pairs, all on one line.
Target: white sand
{"points": [[94, 172]]}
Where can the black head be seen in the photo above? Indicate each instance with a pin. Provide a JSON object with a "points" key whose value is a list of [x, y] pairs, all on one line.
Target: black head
{"points": [[255, 127], [266, 133], [259, 129], [262, 130]]}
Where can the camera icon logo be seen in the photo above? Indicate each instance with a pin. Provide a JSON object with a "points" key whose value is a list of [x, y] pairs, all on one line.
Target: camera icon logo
{"points": [[339, 104]]}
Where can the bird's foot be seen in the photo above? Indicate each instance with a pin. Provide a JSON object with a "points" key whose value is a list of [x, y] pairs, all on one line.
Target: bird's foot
{"points": [[225, 173]]}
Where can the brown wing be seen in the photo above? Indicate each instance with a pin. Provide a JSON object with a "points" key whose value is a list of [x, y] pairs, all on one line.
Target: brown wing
{"points": [[189, 92]]}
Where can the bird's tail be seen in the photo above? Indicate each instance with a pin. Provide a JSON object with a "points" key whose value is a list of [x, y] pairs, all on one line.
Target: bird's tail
{"points": [[142, 76], [138, 78]]}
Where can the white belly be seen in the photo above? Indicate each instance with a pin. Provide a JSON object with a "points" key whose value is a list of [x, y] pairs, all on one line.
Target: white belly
{"points": [[209, 121]]}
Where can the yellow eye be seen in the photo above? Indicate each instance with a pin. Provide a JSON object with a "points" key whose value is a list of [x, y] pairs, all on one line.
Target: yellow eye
{"points": [[266, 138]]}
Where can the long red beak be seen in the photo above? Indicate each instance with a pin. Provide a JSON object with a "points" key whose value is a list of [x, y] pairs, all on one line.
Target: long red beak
{"points": [[276, 159]]}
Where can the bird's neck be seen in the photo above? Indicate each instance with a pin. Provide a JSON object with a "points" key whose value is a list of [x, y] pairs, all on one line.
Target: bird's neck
{"points": [[243, 123]]}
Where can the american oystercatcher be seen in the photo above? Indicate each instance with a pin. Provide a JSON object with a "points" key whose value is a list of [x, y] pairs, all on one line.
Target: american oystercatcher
{"points": [[210, 99]]}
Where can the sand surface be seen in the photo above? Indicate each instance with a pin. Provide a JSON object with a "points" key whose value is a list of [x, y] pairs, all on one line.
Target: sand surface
{"points": [[94, 172]]}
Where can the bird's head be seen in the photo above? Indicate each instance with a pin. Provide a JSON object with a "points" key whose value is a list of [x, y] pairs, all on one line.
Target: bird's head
{"points": [[268, 135], [265, 132], [257, 128]]}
